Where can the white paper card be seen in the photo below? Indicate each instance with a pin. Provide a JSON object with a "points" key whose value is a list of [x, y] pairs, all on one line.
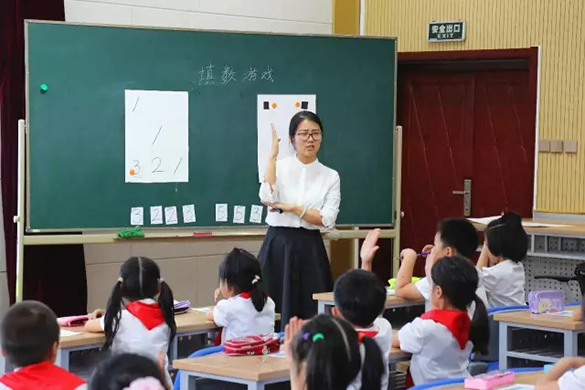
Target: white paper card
{"points": [[171, 215], [156, 215], [189, 214], [221, 212], [519, 387], [137, 216], [202, 309], [239, 214], [278, 109], [156, 136], [256, 214], [66, 333]]}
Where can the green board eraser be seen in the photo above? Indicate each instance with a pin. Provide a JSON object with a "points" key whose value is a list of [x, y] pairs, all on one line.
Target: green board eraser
{"points": [[44, 87]]}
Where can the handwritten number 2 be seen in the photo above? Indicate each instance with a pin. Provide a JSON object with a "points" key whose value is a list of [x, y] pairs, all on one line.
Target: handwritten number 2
{"points": [[157, 170]]}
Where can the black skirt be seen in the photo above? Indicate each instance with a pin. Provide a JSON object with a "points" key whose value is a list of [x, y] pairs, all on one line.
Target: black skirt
{"points": [[295, 266]]}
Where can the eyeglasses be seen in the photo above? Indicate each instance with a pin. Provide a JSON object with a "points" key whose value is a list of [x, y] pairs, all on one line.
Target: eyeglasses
{"points": [[304, 135]]}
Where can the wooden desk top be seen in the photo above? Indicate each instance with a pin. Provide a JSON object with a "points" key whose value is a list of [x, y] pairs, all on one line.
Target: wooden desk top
{"points": [[391, 300], [254, 368], [529, 378], [545, 320], [568, 228]]}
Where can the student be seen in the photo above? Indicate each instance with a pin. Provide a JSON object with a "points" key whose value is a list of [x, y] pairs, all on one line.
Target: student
{"points": [[324, 354], [30, 338], [136, 320], [247, 310], [127, 371], [360, 299], [455, 236], [506, 245], [442, 339]]}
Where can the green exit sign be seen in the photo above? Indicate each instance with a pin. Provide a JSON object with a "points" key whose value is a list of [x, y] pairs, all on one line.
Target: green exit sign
{"points": [[446, 31]]}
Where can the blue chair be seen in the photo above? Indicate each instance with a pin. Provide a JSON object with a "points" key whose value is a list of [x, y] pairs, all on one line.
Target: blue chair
{"points": [[578, 303], [525, 369], [200, 353]]}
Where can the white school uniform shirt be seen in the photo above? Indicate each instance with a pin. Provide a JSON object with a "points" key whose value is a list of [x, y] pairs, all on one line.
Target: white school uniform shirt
{"points": [[239, 318], [435, 351], [573, 380], [384, 340], [424, 287], [134, 337], [504, 284], [313, 186]]}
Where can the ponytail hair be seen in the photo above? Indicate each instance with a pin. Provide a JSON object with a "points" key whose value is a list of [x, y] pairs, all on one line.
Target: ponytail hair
{"points": [[458, 279], [139, 279], [330, 349], [506, 237], [479, 334], [242, 272]]}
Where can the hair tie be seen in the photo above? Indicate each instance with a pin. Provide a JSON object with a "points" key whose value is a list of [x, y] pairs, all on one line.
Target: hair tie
{"points": [[120, 280], [318, 336], [306, 336], [256, 279], [148, 383], [160, 280]]}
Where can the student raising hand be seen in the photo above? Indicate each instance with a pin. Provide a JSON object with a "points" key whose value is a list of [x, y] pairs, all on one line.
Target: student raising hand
{"points": [[369, 249], [290, 332]]}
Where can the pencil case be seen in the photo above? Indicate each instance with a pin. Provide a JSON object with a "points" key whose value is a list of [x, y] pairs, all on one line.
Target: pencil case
{"points": [[490, 380], [72, 321], [546, 301]]}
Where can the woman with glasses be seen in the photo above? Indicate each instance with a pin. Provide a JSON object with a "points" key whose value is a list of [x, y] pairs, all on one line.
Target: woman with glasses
{"points": [[303, 196]]}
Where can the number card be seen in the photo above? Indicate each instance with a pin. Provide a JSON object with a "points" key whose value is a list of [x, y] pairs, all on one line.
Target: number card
{"points": [[137, 216], [156, 215], [156, 136], [239, 214], [221, 212], [171, 215], [256, 214], [189, 214]]}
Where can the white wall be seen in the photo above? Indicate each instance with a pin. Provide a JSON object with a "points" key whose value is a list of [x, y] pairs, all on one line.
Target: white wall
{"points": [[291, 16], [190, 269]]}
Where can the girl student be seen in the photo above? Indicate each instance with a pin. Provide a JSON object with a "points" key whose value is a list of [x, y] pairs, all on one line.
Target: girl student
{"points": [[247, 310], [506, 245], [140, 314], [442, 339], [327, 353]]}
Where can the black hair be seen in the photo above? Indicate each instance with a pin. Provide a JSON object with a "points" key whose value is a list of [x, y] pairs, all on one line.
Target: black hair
{"points": [[139, 279], [298, 118], [28, 333], [118, 371], [242, 272], [506, 237], [360, 297], [333, 361], [460, 234], [458, 279]]}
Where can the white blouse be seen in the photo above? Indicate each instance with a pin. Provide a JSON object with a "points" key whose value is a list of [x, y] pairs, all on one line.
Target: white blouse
{"points": [[313, 186]]}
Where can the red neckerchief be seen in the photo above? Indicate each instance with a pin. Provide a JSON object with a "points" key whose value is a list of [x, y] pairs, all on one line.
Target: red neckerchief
{"points": [[456, 321], [245, 295], [149, 314], [41, 376], [366, 333]]}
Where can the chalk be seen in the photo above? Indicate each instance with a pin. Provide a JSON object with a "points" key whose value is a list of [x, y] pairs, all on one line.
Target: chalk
{"points": [[44, 87]]}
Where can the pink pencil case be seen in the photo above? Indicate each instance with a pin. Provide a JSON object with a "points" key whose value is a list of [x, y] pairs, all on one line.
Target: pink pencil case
{"points": [[72, 321], [546, 301], [490, 380]]}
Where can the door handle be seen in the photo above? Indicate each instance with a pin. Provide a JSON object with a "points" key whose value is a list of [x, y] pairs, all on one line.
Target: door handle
{"points": [[466, 197]]}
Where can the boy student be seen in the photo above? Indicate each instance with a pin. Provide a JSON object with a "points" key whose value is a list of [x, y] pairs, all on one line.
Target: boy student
{"points": [[30, 337], [360, 298], [455, 236]]}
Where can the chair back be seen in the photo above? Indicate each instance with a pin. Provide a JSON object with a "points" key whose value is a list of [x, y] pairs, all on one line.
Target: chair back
{"points": [[196, 354], [494, 345]]}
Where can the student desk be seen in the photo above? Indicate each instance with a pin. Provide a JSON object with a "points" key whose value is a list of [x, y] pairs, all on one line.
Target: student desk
{"points": [[529, 378], [253, 371], [542, 322], [325, 302]]}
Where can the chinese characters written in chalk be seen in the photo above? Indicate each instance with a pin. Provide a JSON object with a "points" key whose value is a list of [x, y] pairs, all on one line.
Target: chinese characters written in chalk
{"points": [[227, 75]]}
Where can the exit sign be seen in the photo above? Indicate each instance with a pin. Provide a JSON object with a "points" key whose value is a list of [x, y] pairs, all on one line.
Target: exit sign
{"points": [[446, 31]]}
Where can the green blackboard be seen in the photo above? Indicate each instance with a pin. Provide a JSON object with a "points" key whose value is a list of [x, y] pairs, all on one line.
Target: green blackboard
{"points": [[76, 128]]}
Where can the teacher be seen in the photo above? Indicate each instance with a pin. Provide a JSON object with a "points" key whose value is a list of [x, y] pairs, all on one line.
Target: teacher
{"points": [[303, 196]]}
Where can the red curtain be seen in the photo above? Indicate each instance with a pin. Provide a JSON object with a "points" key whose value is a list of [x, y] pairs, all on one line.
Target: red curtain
{"points": [[56, 274]]}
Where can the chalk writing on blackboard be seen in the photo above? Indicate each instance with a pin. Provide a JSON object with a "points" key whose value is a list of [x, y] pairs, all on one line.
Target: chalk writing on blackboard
{"points": [[206, 75], [228, 74], [267, 75], [250, 74]]}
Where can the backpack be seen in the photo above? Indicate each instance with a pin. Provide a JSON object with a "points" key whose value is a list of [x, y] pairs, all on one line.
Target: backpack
{"points": [[263, 344]]}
